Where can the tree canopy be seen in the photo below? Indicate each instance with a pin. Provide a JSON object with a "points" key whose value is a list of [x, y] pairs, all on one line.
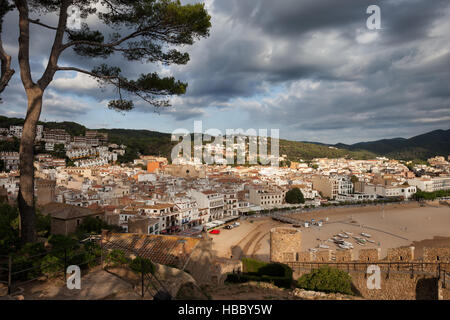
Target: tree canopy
{"points": [[141, 31], [295, 196]]}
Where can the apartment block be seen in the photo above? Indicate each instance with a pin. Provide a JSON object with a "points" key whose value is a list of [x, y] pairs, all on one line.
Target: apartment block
{"points": [[332, 186]]}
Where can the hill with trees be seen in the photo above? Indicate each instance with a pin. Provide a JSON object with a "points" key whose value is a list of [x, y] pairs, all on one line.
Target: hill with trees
{"points": [[149, 142], [420, 147]]}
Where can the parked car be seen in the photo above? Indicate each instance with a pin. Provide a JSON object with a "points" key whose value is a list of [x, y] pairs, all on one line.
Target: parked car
{"points": [[214, 232]]}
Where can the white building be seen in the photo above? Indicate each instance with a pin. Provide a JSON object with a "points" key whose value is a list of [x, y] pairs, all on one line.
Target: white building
{"points": [[211, 200], [16, 131], [428, 184], [11, 160], [405, 191]]}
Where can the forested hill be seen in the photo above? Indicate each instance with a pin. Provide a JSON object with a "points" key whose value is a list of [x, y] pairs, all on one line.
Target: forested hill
{"points": [[423, 146], [156, 143]]}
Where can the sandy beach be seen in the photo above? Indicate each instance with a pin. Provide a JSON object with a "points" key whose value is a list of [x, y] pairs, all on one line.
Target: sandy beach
{"points": [[389, 226]]}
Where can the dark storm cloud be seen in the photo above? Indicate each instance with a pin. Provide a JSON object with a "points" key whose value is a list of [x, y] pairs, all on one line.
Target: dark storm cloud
{"points": [[292, 18], [309, 66]]}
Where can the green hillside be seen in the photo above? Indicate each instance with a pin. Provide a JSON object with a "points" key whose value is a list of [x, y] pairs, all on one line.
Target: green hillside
{"points": [[422, 147], [307, 151], [148, 142]]}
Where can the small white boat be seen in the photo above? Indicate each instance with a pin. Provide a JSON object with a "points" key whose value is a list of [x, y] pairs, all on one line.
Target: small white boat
{"points": [[331, 240], [361, 243], [343, 235], [366, 235], [371, 241], [348, 244], [348, 233], [324, 246], [313, 249], [343, 246]]}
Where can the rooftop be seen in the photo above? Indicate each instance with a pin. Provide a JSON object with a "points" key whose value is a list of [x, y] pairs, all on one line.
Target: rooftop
{"points": [[166, 250]]}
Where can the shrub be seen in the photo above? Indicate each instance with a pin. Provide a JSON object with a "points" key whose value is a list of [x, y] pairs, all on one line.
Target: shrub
{"points": [[142, 265], [255, 270], [93, 252], [51, 265], [294, 196], [241, 278], [94, 226], [275, 270], [43, 223], [116, 258], [252, 265], [61, 242], [32, 249], [326, 279], [9, 231]]}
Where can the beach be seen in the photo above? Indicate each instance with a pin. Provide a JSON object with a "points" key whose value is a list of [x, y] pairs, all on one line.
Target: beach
{"points": [[389, 226]]}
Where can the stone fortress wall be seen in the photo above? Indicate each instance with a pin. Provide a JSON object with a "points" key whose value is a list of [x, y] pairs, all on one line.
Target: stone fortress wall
{"points": [[405, 276], [285, 245]]}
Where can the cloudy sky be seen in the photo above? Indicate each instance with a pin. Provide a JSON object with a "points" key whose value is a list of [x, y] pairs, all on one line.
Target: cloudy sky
{"points": [[310, 68]]}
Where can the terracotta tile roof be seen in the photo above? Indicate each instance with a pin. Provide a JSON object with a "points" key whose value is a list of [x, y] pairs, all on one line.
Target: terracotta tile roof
{"points": [[66, 211], [167, 250], [159, 206]]}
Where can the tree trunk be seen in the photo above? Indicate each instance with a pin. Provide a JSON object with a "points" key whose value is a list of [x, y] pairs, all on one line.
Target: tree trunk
{"points": [[26, 190]]}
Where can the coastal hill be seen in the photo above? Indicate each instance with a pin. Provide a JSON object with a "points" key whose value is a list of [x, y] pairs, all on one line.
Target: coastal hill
{"points": [[148, 142], [422, 146]]}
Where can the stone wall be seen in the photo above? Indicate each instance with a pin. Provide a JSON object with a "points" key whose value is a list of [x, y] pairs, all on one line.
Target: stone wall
{"points": [[344, 255], [305, 256], [436, 254], [444, 289], [369, 255], [323, 256], [223, 267], [400, 254], [398, 287], [45, 192], [285, 244]]}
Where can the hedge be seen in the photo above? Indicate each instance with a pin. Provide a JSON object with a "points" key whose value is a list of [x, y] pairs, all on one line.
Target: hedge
{"points": [[252, 265], [326, 279], [255, 270]]}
